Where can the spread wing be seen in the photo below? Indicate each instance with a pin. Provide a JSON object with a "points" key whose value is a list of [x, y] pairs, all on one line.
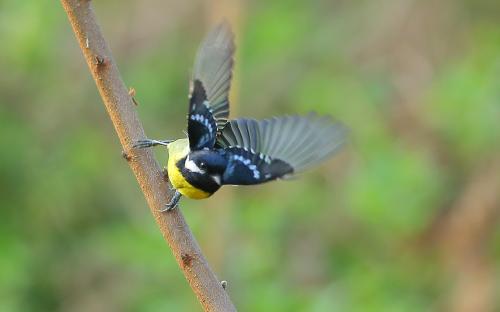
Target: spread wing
{"points": [[210, 85], [275, 148], [246, 167], [202, 128]]}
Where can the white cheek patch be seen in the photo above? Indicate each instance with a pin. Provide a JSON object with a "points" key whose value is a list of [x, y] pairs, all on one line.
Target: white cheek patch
{"points": [[191, 166], [216, 178]]}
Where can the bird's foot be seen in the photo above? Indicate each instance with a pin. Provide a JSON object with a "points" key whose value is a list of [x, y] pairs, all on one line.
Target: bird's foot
{"points": [[150, 143], [173, 202]]}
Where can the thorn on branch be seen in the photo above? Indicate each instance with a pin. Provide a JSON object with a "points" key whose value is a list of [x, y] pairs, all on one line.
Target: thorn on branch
{"points": [[99, 60], [131, 92], [187, 260], [126, 156]]}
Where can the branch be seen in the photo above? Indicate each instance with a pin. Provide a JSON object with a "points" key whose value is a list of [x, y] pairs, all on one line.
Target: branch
{"points": [[464, 235], [120, 108]]}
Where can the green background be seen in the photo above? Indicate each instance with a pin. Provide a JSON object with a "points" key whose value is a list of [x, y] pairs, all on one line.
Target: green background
{"points": [[405, 218]]}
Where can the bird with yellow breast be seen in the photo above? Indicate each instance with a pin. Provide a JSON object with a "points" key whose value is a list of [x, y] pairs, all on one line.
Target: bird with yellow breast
{"points": [[219, 151]]}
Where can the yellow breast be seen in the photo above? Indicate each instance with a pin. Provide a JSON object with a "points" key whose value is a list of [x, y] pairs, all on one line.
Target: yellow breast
{"points": [[176, 151]]}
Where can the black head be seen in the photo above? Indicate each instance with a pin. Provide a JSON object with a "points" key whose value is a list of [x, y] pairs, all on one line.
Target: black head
{"points": [[203, 169]]}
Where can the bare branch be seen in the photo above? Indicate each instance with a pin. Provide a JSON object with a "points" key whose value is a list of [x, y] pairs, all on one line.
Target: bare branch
{"points": [[121, 109]]}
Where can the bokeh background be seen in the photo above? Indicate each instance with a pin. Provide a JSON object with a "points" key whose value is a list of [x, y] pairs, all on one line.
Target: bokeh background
{"points": [[404, 219]]}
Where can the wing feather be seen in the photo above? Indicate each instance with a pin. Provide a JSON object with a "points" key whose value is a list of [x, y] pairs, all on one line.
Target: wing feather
{"points": [[298, 141], [213, 67]]}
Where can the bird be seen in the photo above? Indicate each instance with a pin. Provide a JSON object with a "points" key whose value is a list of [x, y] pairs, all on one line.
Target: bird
{"points": [[244, 151]]}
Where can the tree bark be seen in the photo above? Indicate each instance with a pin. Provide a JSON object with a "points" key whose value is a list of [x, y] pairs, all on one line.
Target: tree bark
{"points": [[120, 107]]}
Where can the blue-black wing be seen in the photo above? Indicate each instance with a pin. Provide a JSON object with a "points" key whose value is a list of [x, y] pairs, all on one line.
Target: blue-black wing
{"points": [[246, 167], [280, 146], [202, 127], [212, 72]]}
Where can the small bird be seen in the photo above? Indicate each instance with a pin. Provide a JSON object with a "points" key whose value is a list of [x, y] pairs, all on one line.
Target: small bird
{"points": [[243, 151]]}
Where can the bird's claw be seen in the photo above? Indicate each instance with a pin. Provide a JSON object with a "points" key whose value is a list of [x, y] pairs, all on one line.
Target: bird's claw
{"points": [[174, 201], [150, 143], [169, 207]]}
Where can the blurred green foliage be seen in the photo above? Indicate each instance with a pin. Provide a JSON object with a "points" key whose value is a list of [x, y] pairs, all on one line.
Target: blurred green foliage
{"points": [[416, 82]]}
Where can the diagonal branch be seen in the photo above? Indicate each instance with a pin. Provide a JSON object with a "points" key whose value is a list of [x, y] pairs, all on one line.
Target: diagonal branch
{"points": [[120, 108]]}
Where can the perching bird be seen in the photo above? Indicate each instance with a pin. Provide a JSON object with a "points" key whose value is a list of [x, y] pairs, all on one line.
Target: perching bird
{"points": [[242, 151]]}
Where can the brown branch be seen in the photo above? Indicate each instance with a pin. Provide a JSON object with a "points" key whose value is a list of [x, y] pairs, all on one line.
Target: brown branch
{"points": [[120, 107], [463, 237]]}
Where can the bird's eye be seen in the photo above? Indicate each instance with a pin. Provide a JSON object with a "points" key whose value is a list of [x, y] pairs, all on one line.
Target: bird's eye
{"points": [[203, 165]]}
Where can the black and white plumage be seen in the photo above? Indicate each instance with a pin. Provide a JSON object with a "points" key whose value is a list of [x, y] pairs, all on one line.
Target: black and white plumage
{"points": [[209, 91], [299, 141], [247, 167], [213, 68], [242, 151], [265, 150], [202, 125]]}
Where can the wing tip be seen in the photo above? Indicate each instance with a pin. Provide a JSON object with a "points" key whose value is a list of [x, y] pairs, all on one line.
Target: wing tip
{"points": [[221, 33]]}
